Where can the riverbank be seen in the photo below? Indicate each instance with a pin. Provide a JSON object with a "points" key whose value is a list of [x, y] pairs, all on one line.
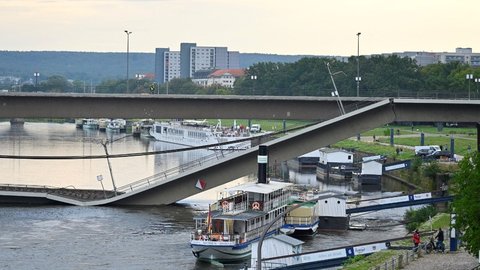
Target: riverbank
{"points": [[457, 260]]}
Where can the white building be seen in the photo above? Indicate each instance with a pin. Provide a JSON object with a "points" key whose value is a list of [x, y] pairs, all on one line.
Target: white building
{"points": [[335, 156], [172, 65], [222, 77], [463, 55]]}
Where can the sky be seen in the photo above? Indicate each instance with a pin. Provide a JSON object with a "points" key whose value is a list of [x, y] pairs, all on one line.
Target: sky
{"points": [[299, 27]]}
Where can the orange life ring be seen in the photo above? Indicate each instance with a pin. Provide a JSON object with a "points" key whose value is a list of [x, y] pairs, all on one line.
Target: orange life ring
{"points": [[256, 206], [225, 204]]}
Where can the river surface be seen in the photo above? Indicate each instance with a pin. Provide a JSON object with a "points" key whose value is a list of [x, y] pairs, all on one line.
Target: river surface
{"points": [[69, 237]]}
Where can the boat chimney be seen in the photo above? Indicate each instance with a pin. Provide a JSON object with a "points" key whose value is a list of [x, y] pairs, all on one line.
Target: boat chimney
{"points": [[262, 160]]}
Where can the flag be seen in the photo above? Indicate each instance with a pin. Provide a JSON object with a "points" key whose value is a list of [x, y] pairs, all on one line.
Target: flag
{"points": [[201, 184]]}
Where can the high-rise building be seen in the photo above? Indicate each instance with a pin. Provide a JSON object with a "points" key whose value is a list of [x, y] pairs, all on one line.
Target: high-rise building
{"points": [[160, 64], [192, 59], [185, 59]]}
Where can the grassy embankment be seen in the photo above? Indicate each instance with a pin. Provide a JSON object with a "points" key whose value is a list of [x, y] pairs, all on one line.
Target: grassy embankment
{"points": [[441, 220]]}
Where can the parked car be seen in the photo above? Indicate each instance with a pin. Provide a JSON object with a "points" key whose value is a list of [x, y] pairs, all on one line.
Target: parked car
{"points": [[255, 128]]}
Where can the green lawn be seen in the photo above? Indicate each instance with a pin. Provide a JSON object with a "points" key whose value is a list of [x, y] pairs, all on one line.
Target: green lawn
{"points": [[461, 144]]}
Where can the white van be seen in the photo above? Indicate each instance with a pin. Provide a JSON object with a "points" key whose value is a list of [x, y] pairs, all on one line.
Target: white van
{"points": [[426, 150], [255, 128]]}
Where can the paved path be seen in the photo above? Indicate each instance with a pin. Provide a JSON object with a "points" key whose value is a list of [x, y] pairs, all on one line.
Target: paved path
{"points": [[459, 260]]}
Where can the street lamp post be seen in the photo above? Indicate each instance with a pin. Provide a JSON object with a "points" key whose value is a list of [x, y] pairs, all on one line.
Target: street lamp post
{"points": [[358, 78], [253, 78], [477, 80], [469, 77], [265, 230], [128, 51], [36, 75]]}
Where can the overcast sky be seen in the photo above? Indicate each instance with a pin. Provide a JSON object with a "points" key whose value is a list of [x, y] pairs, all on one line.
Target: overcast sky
{"points": [[315, 27]]}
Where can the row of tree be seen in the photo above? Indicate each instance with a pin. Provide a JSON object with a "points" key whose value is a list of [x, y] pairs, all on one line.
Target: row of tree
{"points": [[380, 76]]}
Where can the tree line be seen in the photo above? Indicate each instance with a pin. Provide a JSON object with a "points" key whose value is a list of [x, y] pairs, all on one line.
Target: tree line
{"points": [[380, 76], [390, 76]]}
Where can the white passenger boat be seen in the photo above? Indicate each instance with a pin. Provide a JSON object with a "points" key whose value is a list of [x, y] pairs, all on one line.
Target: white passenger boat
{"points": [[89, 123], [119, 123], [103, 123], [142, 127], [113, 126], [226, 232], [198, 133]]}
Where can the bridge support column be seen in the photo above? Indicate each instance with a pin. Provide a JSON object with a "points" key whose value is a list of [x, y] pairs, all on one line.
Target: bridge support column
{"points": [[478, 137], [452, 146], [391, 137]]}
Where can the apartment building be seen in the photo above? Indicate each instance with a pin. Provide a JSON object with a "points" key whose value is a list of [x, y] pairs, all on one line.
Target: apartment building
{"points": [[192, 59], [463, 55]]}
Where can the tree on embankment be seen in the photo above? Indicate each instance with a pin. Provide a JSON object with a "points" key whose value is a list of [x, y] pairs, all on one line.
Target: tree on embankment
{"points": [[466, 188]]}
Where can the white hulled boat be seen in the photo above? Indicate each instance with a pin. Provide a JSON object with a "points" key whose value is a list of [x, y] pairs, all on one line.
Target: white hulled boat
{"points": [[103, 123], [226, 232], [142, 127], [89, 123], [198, 133], [113, 126]]}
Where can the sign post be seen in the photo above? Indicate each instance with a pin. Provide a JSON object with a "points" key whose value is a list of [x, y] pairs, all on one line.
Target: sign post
{"points": [[100, 178]]}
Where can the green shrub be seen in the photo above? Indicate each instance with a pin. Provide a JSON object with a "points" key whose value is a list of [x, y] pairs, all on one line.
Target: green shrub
{"points": [[414, 218], [354, 259], [431, 170]]}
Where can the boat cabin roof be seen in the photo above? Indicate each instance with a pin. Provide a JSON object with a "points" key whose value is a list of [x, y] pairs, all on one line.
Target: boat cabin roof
{"points": [[260, 187]]}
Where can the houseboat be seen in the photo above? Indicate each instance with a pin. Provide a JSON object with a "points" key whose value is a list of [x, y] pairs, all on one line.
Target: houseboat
{"points": [[335, 165]]}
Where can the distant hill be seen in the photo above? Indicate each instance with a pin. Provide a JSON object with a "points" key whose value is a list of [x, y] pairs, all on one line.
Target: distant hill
{"points": [[96, 66]]}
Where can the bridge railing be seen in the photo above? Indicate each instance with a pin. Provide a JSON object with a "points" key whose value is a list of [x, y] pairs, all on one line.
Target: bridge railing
{"points": [[174, 171]]}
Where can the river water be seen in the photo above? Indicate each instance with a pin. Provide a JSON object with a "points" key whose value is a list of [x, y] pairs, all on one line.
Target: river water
{"points": [[68, 237]]}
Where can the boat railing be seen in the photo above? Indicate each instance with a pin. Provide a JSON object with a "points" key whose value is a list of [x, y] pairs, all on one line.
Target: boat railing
{"points": [[275, 203], [220, 237], [154, 179], [237, 207]]}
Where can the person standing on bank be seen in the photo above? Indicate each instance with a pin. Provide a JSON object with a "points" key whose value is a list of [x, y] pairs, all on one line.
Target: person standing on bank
{"points": [[416, 240], [440, 246]]}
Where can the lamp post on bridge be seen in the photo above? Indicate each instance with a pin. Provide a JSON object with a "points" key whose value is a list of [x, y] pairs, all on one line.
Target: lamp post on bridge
{"points": [[358, 78], [36, 75], [128, 51], [469, 77], [477, 80], [253, 78]]}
